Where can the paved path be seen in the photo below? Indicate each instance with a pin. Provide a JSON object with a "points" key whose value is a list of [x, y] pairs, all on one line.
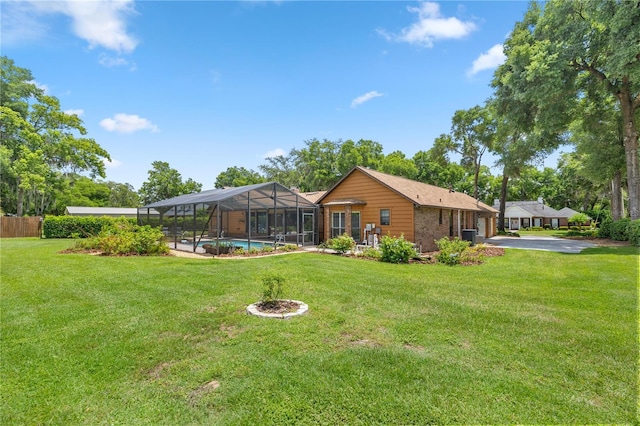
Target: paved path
{"points": [[560, 245]]}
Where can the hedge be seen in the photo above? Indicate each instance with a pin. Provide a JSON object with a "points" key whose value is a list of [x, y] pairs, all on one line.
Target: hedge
{"points": [[78, 226], [621, 230]]}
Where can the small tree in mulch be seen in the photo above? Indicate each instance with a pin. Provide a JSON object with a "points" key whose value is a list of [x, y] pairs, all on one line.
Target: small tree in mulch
{"points": [[272, 290]]}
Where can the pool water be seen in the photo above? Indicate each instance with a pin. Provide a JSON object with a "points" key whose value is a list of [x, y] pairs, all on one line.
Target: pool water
{"points": [[240, 243]]}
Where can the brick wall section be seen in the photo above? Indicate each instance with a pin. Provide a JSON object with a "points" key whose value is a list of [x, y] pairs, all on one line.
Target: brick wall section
{"points": [[428, 229]]}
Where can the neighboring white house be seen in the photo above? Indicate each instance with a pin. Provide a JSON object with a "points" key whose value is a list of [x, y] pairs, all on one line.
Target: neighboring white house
{"points": [[101, 211], [527, 214]]}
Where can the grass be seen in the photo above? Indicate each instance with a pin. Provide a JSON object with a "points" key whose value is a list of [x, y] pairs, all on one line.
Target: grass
{"points": [[531, 337]]}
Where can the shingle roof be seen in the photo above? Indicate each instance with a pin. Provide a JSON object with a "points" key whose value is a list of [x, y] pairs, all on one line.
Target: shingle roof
{"points": [[423, 194]]}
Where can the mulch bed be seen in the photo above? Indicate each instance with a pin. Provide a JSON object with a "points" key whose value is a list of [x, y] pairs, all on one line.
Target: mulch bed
{"points": [[278, 306]]}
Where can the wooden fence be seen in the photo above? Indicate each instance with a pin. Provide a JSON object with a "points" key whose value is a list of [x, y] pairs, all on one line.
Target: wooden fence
{"points": [[12, 227]]}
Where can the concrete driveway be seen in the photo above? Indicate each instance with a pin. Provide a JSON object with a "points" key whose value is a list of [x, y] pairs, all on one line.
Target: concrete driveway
{"points": [[560, 245]]}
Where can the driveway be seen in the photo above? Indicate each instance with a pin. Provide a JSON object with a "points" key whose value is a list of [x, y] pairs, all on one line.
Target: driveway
{"points": [[560, 245]]}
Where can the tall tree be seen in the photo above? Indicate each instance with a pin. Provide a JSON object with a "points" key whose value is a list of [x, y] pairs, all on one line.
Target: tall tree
{"points": [[122, 195], [238, 176], [365, 153], [41, 143], [524, 130], [164, 182], [598, 39], [396, 163], [472, 132], [282, 169]]}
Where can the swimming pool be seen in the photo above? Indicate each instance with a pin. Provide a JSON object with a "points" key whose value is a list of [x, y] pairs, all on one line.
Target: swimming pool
{"points": [[239, 243]]}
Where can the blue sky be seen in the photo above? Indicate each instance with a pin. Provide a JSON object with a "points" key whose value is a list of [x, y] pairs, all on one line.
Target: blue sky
{"points": [[208, 85]]}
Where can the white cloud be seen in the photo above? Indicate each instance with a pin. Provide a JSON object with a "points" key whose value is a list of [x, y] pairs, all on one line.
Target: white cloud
{"points": [[111, 61], [77, 112], [127, 123], [364, 98], [431, 26], [275, 153], [491, 59], [100, 22], [113, 164], [41, 86]]}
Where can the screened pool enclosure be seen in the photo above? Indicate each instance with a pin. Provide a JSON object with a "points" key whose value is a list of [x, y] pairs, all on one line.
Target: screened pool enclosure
{"points": [[267, 213]]}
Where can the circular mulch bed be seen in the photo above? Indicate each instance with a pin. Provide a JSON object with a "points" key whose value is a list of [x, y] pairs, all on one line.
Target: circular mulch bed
{"points": [[282, 309]]}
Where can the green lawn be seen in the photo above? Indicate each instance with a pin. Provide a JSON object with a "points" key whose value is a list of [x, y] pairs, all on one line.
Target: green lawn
{"points": [[532, 337]]}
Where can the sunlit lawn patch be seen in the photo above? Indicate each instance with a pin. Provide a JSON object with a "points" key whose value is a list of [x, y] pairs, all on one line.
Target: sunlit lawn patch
{"points": [[529, 337]]}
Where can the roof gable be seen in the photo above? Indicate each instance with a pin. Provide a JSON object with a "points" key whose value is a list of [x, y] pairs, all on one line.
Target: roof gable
{"points": [[420, 194]]}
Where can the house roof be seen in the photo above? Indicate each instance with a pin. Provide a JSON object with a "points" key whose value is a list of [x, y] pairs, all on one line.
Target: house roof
{"points": [[567, 212], [421, 194], [534, 208], [313, 196], [101, 211]]}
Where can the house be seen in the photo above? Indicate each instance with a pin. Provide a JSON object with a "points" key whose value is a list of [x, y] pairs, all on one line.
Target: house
{"points": [[101, 211], [527, 214], [366, 202]]}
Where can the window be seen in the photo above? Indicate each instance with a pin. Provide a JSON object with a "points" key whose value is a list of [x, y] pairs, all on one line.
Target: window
{"points": [[440, 218], [337, 224], [385, 217]]}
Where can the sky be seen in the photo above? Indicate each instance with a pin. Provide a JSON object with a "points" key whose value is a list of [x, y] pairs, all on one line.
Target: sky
{"points": [[208, 85]]}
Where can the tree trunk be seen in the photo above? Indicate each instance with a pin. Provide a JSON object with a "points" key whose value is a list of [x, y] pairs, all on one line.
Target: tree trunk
{"points": [[617, 206], [20, 199], [503, 199], [631, 151], [475, 180]]}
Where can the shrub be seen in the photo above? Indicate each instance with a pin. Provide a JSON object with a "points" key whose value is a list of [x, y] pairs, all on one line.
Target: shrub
{"points": [[579, 219], [396, 250], [473, 255], [288, 247], [634, 233], [605, 228], [547, 226], [342, 243], [272, 286], [267, 249], [451, 250], [620, 229], [125, 238], [77, 226], [370, 253]]}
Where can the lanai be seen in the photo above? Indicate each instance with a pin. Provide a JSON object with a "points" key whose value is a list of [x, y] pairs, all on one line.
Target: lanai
{"points": [[267, 212]]}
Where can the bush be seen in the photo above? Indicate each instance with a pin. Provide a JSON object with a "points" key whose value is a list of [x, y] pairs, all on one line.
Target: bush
{"points": [[473, 255], [396, 250], [78, 226], [634, 233], [370, 253], [342, 243], [451, 250], [288, 247], [589, 233], [620, 229], [124, 238]]}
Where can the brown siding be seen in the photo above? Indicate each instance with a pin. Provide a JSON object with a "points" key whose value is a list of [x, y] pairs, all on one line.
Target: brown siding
{"points": [[377, 196], [12, 227]]}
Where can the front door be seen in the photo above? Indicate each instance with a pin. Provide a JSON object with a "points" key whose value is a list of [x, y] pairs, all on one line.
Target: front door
{"points": [[515, 223], [481, 227]]}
